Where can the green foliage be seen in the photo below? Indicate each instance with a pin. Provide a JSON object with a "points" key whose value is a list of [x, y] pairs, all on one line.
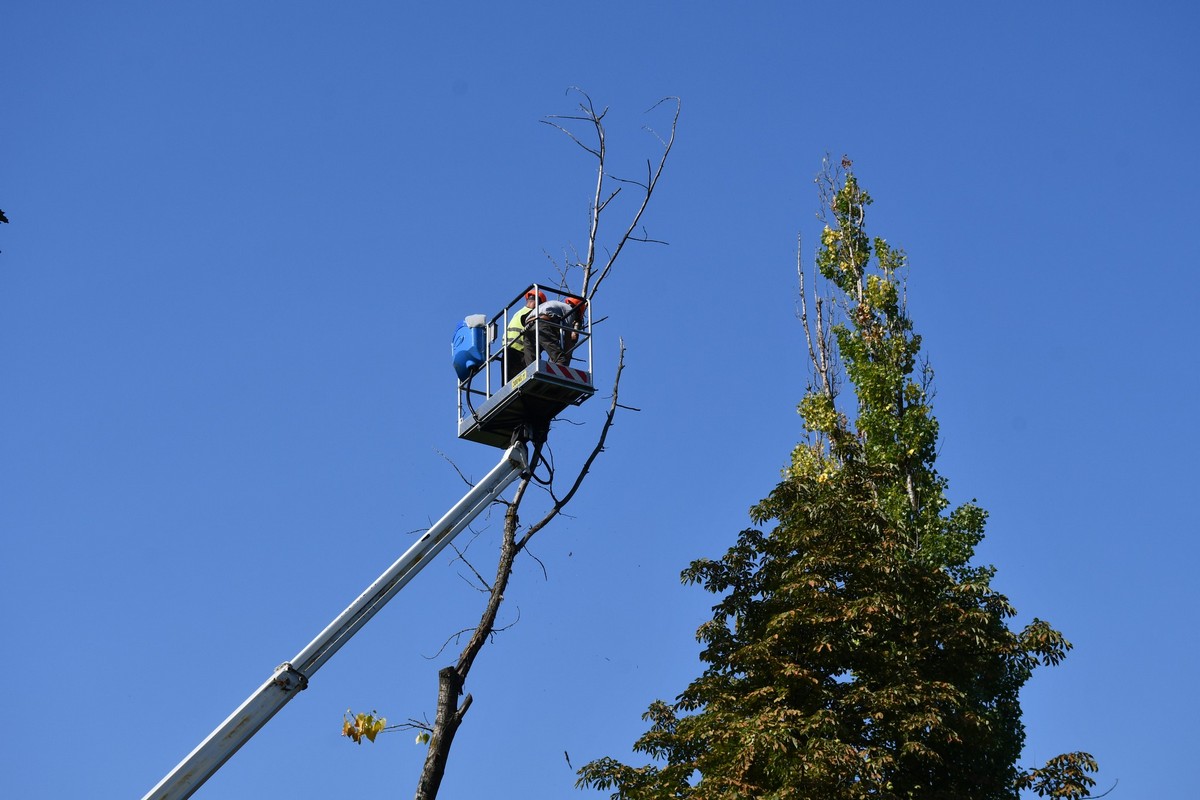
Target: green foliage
{"points": [[854, 652], [1063, 776]]}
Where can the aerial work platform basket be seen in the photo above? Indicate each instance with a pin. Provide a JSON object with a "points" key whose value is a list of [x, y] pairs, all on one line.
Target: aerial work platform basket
{"points": [[499, 395]]}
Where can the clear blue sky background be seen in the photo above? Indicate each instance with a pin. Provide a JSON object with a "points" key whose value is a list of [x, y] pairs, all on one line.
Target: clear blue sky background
{"points": [[242, 233]]}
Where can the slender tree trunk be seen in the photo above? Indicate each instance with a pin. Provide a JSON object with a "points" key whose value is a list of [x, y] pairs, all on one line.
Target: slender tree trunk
{"points": [[449, 717], [451, 680]]}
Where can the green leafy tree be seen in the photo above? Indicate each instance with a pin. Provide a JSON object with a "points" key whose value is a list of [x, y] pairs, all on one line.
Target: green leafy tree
{"points": [[854, 652]]}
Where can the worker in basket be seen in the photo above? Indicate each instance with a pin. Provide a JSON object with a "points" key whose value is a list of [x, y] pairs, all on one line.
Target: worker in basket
{"points": [[557, 329], [514, 358]]}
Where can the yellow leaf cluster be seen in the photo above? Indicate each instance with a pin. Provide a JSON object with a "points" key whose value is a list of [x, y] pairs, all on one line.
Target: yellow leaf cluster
{"points": [[358, 726]]}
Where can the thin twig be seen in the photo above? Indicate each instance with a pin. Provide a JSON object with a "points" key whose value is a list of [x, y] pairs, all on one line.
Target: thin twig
{"points": [[471, 567], [456, 469]]}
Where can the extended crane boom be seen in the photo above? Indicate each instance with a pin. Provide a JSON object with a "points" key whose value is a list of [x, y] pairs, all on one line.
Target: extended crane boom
{"points": [[293, 676]]}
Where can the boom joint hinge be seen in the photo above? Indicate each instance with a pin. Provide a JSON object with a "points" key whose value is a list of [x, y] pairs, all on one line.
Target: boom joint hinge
{"points": [[289, 678]]}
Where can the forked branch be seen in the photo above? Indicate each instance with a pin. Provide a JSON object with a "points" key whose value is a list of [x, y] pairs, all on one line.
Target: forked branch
{"points": [[594, 275]]}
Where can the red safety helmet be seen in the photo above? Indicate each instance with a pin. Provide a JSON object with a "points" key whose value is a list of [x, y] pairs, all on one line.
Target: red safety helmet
{"points": [[541, 296], [579, 302]]}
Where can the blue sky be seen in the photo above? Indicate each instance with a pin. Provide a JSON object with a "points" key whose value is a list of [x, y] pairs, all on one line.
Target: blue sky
{"points": [[241, 236]]}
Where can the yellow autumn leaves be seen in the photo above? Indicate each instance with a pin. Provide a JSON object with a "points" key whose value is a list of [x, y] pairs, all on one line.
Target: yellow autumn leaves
{"points": [[357, 726], [367, 726]]}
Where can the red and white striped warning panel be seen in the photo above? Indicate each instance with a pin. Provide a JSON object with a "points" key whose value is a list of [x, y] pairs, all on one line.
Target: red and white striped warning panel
{"points": [[569, 373]]}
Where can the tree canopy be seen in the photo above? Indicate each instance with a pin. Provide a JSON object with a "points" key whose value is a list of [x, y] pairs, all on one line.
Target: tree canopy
{"points": [[854, 651]]}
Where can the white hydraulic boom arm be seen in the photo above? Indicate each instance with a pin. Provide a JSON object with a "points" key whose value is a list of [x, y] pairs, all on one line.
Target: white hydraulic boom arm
{"points": [[293, 676]]}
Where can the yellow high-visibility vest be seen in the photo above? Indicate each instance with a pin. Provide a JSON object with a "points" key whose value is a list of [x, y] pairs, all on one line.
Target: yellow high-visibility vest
{"points": [[516, 326]]}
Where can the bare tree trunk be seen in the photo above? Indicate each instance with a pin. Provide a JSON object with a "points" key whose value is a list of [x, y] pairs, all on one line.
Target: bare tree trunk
{"points": [[449, 716], [452, 680]]}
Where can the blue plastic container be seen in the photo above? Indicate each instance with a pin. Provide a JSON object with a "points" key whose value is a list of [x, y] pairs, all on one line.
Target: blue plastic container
{"points": [[468, 346]]}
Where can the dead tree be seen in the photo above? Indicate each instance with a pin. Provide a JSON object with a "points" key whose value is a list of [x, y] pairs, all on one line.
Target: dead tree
{"points": [[589, 273]]}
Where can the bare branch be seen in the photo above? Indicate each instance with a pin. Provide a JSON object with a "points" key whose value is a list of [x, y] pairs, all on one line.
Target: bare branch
{"points": [[559, 504], [456, 469], [470, 566], [589, 115], [545, 574], [653, 174], [454, 637], [593, 276], [457, 635], [646, 239], [410, 725], [572, 136]]}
